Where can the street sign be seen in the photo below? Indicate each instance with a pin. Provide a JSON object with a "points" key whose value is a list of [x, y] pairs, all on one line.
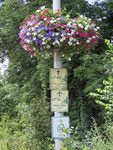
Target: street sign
{"points": [[59, 101], [57, 127], [58, 78]]}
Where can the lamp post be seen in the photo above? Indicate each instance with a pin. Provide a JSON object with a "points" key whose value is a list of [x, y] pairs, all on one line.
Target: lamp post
{"points": [[57, 64]]}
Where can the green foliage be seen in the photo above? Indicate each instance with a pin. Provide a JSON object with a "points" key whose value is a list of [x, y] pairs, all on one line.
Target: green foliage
{"points": [[24, 91], [94, 139], [106, 95]]}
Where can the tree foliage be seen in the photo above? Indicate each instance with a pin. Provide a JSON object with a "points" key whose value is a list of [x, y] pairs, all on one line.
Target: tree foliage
{"points": [[24, 90]]}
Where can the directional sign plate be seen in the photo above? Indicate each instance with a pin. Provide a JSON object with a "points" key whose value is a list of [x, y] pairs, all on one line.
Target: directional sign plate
{"points": [[59, 101], [57, 126], [58, 78]]}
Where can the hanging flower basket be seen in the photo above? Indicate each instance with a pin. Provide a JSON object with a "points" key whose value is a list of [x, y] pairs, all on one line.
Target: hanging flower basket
{"points": [[46, 30]]}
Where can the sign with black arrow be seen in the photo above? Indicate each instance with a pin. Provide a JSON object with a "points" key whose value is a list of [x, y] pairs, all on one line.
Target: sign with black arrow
{"points": [[59, 101]]}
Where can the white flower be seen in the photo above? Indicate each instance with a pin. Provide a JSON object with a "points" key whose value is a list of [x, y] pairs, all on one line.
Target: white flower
{"points": [[57, 42], [39, 30], [74, 39], [79, 25], [85, 18], [62, 34], [27, 33], [72, 31], [45, 19], [74, 25], [71, 39], [38, 10], [43, 38], [81, 16], [42, 7], [93, 36], [54, 43], [48, 46], [68, 33], [25, 46], [36, 26], [43, 43], [30, 29], [53, 18], [77, 43], [95, 29], [33, 28], [57, 33], [34, 48], [61, 40], [98, 27], [85, 22], [34, 38], [89, 19], [88, 41], [34, 33], [69, 58], [27, 41], [69, 23], [70, 43], [67, 16], [48, 39], [52, 21]]}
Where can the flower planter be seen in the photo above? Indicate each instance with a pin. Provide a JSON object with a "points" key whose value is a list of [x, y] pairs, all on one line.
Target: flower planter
{"points": [[44, 31]]}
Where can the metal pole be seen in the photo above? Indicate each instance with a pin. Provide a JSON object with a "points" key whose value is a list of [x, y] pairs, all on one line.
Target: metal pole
{"points": [[56, 5], [57, 64]]}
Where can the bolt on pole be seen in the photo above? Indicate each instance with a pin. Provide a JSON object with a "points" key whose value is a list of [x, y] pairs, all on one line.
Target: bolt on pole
{"points": [[57, 64]]}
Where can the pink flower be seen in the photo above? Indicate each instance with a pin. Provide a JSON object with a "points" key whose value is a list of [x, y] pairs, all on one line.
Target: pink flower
{"points": [[75, 32], [66, 26], [20, 27], [86, 47], [97, 41], [93, 41], [68, 40], [73, 36], [21, 41], [67, 31], [93, 46], [58, 9], [80, 42], [80, 34], [84, 34], [64, 48], [41, 17], [72, 26], [65, 36], [87, 37], [41, 22]]}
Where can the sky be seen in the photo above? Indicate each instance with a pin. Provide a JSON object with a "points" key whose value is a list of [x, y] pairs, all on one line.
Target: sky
{"points": [[5, 64]]}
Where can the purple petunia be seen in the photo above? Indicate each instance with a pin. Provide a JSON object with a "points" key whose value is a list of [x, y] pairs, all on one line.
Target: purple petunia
{"points": [[62, 31], [63, 20], [41, 48]]}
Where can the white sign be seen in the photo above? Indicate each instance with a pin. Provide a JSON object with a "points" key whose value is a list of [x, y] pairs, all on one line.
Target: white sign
{"points": [[59, 101], [58, 78], [57, 127]]}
